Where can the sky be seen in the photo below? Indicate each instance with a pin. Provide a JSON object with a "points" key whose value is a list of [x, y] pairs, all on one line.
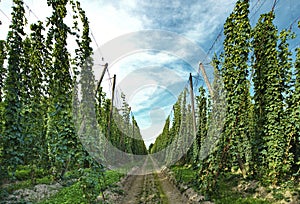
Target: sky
{"points": [[153, 45]]}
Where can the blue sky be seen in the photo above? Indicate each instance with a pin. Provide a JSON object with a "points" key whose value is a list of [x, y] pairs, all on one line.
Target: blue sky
{"points": [[158, 68]]}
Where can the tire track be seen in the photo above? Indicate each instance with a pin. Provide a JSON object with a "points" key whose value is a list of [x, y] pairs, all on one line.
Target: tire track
{"points": [[150, 186]]}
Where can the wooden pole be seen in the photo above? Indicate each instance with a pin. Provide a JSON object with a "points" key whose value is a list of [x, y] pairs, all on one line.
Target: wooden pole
{"points": [[111, 106], [133, 124], [201, 67], [101, 78], [193, 104]]}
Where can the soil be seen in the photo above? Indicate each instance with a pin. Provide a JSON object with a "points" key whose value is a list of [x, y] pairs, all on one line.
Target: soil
{"points": [[149, 184]]}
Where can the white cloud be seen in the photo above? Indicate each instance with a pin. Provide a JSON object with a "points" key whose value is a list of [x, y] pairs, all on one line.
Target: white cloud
{"points": [[108, 21], [210, 17]]}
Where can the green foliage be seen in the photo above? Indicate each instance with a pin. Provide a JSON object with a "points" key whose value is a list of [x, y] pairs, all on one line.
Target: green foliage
{"points": [[260, 136], [44, 180], [3, 53], [138, 146], [285, 65], [39, 100], [174, 130], [23, 174], [272, 84], [209, 165], [37, 105], [294, 118], [86, 189], [63, 142], [18, 185], [13, 139], [26, 172], [2, 79], [162, 140], [91, 183], [202, 107], [232, 87], [84, 109], [184, 174], [125, 133], [234, 72], [25, 179], [230, 199], [71, 194], [228, 192], [172, 142], [111, 178]]}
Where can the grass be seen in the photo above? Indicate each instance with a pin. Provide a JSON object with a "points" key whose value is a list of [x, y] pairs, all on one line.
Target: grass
{"points": [[162, 195], [225, 194], [9, 188], [24, 172], [75, 194], [71, 194], [185, 174], [238, 200], [73, 190]]}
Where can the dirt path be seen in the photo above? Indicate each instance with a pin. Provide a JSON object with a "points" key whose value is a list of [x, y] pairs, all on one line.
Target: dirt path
{"points": [[149, 185]]}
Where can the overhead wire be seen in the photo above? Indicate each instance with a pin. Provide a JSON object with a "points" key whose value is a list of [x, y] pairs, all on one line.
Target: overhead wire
{"points": [[293, 22], [213, 44], [118, 96], [296, 46], [109, 76], [258, 9], [210, 49], [93, 37], [254, 10], [220, 33], [275, 4], [107, 70], [95, 41], [31, 11], [5, 15], [101, 57]]}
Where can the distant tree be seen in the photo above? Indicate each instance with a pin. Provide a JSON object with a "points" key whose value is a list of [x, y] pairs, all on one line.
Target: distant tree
{"points": [[161, 141], [150, 148], [171, 152], [138, 146]]}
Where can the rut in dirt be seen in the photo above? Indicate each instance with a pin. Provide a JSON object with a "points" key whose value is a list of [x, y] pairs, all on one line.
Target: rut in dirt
{"points": [[150, 185]]}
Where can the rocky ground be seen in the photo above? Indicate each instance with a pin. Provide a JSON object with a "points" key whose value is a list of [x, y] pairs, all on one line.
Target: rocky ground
{"points": [[37, 193]]}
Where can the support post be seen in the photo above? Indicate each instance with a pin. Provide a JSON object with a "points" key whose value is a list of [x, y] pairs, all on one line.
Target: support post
{"points": [[111, 106], [101, 78], [201, 67], [193, 104]]}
